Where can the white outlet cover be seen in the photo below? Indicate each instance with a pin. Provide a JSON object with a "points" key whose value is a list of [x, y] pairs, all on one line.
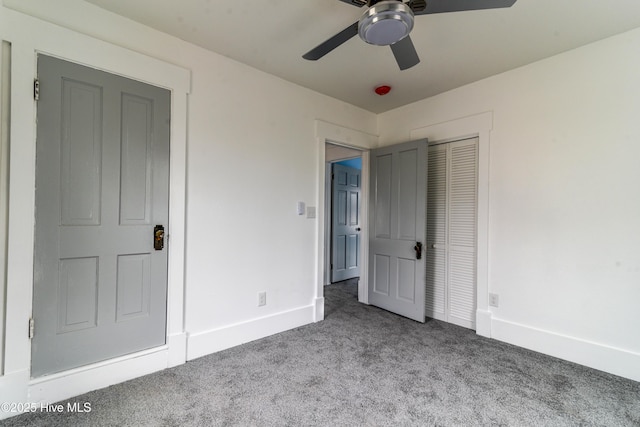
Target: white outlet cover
{"points": [[494, 300]]}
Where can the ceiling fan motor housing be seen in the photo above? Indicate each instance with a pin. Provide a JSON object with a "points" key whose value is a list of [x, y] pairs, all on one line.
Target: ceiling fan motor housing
{"points": [[386, 22]]}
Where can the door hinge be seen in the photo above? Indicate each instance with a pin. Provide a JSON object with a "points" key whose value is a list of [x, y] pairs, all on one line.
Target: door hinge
{"points": [[36, 89], [31, 327]]}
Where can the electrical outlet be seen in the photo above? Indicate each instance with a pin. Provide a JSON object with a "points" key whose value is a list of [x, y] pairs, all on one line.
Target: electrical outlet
{"points": [[494, 300], [262, 299]]}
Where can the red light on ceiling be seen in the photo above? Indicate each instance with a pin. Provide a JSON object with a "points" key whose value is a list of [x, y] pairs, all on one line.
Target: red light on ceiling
{"points": [[383, 90]]}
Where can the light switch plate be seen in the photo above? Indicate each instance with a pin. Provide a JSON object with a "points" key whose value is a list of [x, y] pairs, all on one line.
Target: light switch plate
{"points": [[300, 208]]}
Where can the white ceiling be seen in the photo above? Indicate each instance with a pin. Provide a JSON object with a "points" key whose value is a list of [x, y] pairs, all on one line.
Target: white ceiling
{"points": [[455, 48]]}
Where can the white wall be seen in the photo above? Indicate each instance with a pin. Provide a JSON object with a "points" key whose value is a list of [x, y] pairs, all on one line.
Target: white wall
{"points": [[564, 205], [252, 153]]}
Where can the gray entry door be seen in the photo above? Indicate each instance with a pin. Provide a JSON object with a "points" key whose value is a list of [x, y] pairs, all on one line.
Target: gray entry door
{"points": [[102, 180], [345, 223], [397, 229]]}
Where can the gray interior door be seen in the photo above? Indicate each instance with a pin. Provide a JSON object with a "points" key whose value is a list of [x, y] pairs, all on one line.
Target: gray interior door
{"points": [[397, 229], [102, 180], [345, 223]]}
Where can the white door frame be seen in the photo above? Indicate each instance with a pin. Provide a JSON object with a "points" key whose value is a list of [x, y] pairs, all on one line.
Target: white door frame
{"points": [[30, 36], [339, 135]]}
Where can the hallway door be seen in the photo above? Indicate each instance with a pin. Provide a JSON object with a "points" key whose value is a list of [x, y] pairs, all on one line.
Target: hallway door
{"points": [[345, 223]]}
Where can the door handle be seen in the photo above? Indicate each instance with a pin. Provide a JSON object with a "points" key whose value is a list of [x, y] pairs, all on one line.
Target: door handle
{"points": [[358, 229], [418, 249], [158, 237]]}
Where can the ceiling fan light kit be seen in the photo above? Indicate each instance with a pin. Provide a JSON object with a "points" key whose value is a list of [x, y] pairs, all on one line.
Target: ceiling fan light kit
{"points": [[386, 23], [389, 22]]}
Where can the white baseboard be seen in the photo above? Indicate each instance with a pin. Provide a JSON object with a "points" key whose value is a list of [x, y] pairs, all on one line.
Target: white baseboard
{"points": [[207, 342], [598, 356], [57, 387]]}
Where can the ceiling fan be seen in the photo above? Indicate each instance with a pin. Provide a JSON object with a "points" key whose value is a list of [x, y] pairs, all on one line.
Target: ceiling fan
{"points": [[389, 22]]}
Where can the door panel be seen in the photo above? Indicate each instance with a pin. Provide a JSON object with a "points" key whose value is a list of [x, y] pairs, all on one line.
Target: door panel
{"points": [[102, 183], [133, 286], [382, 270], [398, 216], [78, 292], [345, 223], [382, 200], [81, 147], [136, 160], [407, 188]]}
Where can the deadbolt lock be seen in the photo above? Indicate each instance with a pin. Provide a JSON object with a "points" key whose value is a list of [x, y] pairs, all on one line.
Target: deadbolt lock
{"points": [[158, 237]]}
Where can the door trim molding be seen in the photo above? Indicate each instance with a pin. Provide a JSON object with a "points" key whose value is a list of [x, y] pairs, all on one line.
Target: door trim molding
{"points": [[30, 36], [339, 135], [479, 125]]}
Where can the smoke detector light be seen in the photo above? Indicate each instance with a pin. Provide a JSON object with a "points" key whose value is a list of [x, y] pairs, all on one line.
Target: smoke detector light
{"points": [[382, 90]]}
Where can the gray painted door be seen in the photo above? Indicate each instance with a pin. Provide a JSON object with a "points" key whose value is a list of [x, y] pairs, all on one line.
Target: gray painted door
{"points": [[102, 179], [345, 245], [397, 228]]}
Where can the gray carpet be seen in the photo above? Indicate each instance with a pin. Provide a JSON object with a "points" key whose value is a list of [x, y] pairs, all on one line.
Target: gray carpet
{"points": [[363, 366]]}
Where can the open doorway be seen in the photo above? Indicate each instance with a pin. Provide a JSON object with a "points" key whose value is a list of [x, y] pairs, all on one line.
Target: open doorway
{"points": [[343, 214]]}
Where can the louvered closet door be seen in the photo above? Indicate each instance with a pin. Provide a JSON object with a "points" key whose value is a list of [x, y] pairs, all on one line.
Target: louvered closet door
{"points": [[451, 230], [436, 232]]}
